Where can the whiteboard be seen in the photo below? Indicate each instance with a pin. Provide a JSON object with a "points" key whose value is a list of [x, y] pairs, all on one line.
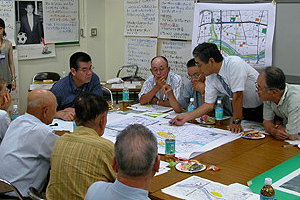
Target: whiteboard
{"points": [[176, 19], [140, 51], [141, 18], [7, 13], [177, 53]]}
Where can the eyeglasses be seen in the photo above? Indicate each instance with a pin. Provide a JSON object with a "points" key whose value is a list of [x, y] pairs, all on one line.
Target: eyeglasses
{"points": [[85, 70], [196, 77], [259, 90]]}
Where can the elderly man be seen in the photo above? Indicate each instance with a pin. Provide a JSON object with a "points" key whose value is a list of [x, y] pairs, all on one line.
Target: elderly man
{"points": [[5, 101], [231, 76], [26, 148], [281, 104], [83, 157], [136, 161], [161, 75], [81, 79]]}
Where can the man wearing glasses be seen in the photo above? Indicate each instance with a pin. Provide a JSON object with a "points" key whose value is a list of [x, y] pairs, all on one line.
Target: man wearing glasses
{"points": [[194, 89], [281, 104], [231, 76], [151, 91], [80, 79]]}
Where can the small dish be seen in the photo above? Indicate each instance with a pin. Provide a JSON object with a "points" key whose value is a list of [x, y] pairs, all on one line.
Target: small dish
{"points": [[254, 135], [190, 167]]}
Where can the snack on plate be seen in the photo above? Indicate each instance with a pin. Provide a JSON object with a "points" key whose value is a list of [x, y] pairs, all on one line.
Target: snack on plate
{"points": [[251, 134], [208, 119], [214, 168]]}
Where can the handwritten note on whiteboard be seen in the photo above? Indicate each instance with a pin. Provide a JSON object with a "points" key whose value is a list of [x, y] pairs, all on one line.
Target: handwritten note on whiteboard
{"points": [[7, 13], [141, 18], [61, 21], [139, 51], [177, 53], [176, 19]]}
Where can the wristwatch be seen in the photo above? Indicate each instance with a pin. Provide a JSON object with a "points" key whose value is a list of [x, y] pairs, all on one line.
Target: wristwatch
{"points": [[237, 121]]}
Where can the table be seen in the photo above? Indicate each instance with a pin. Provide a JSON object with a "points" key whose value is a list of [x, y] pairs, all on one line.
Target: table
{"points": [[240, 161]]}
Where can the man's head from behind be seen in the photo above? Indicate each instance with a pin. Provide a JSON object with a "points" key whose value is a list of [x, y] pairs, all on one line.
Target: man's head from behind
{"points": [[160, 67], [91, 111], [42, 104], [136, 152], [81, 67]]}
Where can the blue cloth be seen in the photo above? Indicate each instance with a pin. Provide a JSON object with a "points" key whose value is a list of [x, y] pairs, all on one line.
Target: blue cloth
{"points": [[66, 91], [25, 153], [225, 86], [113, 191]]}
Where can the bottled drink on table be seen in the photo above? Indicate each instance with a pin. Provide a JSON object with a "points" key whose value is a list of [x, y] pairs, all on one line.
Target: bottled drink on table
{"points": [[170, 146], [125, 93], [267, 192], [15, 112], [219, 112], [191, 106]]}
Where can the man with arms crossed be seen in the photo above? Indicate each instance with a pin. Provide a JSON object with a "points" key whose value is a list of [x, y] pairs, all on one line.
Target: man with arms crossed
{"points": [[161, 75], [81, 79], [231, 76], [281, 100], [136, 161]]}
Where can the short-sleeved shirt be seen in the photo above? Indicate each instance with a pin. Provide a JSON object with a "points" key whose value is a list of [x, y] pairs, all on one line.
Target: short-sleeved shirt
{"points": [[66, 91], [25, 153], [173, 80], [114, 191], [239, 76], [288, 109], [4, 123]]}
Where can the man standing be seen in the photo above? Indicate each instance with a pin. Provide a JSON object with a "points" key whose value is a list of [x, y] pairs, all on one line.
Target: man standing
{"points": [[26, 148], [136, 162], [83, 157], [31, 25], [81, 79], [231, 76], [281, 104], [161, 75]]}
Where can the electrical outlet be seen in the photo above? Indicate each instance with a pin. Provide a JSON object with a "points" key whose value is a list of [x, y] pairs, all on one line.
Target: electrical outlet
{"points": [[93, 31]]}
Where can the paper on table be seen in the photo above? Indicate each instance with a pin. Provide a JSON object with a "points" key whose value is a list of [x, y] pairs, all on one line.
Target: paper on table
{"points": [[121, 86], [62, 125], [163, 168], [152, 108]]}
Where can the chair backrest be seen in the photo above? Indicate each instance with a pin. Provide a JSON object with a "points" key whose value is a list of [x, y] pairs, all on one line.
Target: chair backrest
{"points": [[133, 69], [46, 76], [6, 186], [34, 194], [107, 95]]}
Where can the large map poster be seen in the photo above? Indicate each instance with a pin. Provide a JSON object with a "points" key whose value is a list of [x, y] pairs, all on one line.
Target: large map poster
{"points": [[244, 30]]}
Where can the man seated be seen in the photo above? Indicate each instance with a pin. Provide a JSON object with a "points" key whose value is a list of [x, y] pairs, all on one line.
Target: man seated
{"points": [[80, 79], [136, 161], [281, 100], [83, 157], [194, 89], [5, 101], [231, 76], [161, 75], [26, 148]]}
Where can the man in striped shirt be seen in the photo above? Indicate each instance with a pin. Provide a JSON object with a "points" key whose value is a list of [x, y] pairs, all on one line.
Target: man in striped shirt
{"points": [[151, 91]]}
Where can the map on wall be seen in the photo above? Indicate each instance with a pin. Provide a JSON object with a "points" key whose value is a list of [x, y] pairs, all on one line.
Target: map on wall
{"points": [[244, 30]]}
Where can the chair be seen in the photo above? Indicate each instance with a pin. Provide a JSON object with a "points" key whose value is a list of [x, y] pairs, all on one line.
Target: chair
{"points": [[133, 68], [45, 76], [6, 186], [34, 194], [107, 95]]}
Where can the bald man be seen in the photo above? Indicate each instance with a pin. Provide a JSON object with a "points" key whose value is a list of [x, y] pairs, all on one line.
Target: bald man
{"points": [[26, 148]]}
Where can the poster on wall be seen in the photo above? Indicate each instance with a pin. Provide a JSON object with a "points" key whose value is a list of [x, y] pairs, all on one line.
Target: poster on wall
{"points": [[140, 51], [35, 51], [244, 30], [61, 21], [7, 13], [141, 18], [176, 19], [178, 54]]}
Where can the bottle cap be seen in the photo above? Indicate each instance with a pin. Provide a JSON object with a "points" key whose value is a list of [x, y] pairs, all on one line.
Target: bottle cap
{"points": [[268, 181], [15, 106], [219, 101], [191, 99]]}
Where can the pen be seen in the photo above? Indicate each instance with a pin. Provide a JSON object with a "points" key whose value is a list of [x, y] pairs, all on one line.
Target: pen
{"points": [[289, 145], [56, 124]]}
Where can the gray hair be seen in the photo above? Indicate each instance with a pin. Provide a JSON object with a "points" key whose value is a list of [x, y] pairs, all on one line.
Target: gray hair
{"points": [[275, 78], [135, 150]]}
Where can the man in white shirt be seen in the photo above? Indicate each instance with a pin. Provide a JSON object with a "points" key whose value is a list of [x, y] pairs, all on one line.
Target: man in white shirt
{"points": [[26, 148], [161, 75], [5, 101], [231, 76]]}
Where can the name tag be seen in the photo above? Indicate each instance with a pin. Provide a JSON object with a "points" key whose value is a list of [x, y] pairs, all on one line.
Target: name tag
{"points": [[2, 56]]}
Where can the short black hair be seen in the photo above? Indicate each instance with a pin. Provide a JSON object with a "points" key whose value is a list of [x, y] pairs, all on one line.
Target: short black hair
{"points": [[2, 24], [162, 58], [88, 106], [275, 78], [205, 51], [191, 63], [78, 57]]}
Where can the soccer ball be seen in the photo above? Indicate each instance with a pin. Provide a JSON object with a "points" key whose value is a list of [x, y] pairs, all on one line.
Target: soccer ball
{"points": [[21, 38]]}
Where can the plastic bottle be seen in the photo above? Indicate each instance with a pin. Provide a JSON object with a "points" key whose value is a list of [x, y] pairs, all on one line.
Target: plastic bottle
{"points": [[125, 94], [64, 74], [191, 106], [219, 110], [15, 112], [170, 146], [267, 192]]}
